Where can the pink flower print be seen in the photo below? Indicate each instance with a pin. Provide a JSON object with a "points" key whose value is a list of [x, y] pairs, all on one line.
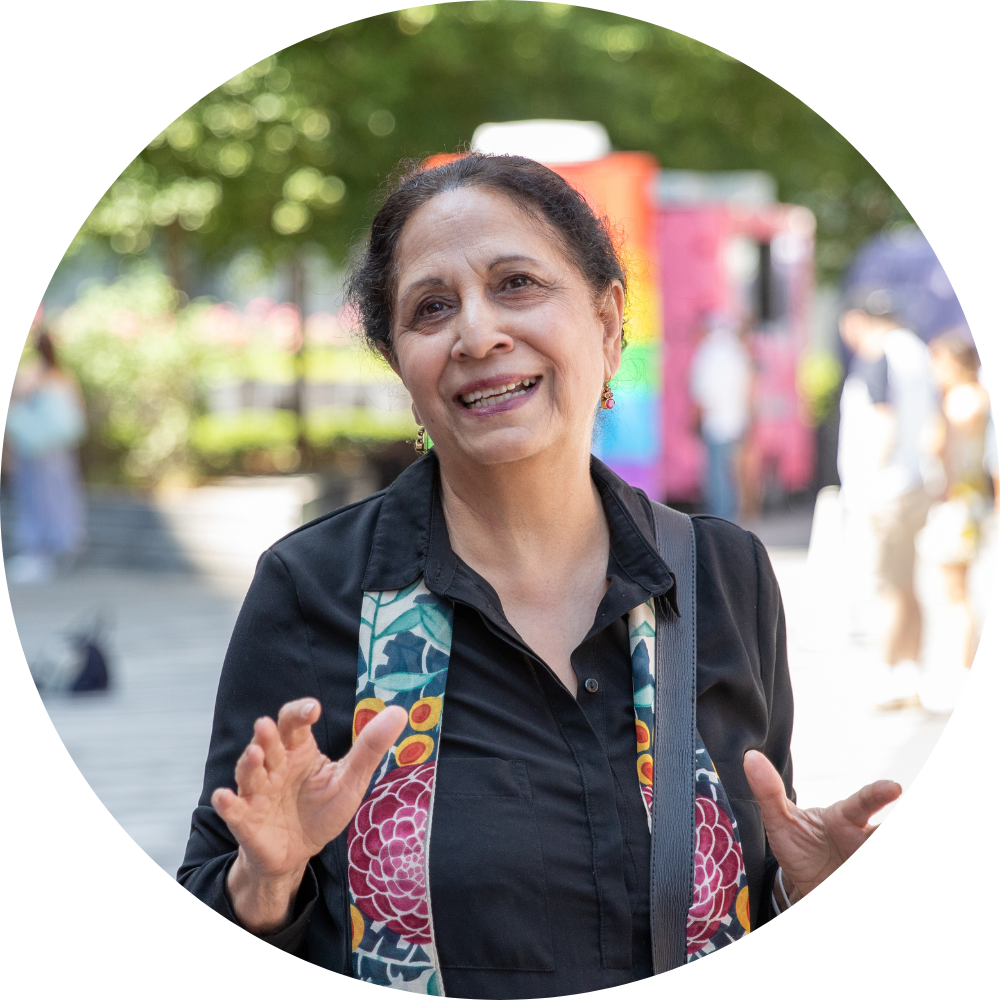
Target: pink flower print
{"points": [[718, 863], [385, 851], [647, 797]]}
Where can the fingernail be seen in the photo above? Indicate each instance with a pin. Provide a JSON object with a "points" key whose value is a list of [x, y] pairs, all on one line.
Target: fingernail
{"points": [[308, 707]]}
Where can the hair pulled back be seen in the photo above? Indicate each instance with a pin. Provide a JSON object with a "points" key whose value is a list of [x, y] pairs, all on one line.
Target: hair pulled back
{"points": [[45, 347], [586, 237], [961, 350]]}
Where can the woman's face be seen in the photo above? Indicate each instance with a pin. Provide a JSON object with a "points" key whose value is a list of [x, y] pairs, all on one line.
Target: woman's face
{"points": [[947, 371], [496, 333]]}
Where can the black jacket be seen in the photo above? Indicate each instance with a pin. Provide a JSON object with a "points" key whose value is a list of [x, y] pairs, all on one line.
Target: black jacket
{"points": [[548, 895]]}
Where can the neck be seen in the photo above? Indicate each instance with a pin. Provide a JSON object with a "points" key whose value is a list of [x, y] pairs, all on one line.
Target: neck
{"points": [[541, 511]]}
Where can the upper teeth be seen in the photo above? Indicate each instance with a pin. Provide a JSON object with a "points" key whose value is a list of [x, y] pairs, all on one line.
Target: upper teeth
{"points": [[498, 393]]}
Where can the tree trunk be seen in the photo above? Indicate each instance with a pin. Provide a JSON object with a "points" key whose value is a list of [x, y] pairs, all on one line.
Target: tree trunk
{"points": [[297, 296], [176, 263]]}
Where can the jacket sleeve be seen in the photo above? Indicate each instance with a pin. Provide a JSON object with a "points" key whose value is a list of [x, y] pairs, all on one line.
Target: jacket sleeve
{"points": [[267, 664], [744, 691], [772, 644]]}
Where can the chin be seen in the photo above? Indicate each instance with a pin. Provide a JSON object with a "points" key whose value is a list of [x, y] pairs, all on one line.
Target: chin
{"points": [[502, 447]]}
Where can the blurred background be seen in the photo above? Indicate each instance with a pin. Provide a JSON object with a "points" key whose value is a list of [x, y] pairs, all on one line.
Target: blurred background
{"points": [[192, 388]]}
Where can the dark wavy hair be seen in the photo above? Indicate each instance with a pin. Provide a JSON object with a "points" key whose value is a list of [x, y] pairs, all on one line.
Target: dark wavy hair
{"points": [[587, 238]]}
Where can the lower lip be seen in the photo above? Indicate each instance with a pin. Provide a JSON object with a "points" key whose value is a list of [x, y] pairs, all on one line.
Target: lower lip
{"points": [[509, 404]]}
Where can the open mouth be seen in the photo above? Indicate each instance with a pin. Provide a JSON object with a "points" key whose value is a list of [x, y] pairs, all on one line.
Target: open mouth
{"points": [[497, 394]]}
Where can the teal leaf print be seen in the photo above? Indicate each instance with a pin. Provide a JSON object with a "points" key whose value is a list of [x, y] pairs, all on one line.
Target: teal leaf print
{"points": [[644, 696], [409, 619], [404, 682], [437, 625]]}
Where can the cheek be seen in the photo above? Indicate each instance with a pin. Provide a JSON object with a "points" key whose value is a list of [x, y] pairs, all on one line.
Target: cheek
{"points": [[573, 341], [421, 361]]}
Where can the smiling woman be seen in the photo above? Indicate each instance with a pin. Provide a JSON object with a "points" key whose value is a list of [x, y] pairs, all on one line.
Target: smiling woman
{"points": [[494, 634]]}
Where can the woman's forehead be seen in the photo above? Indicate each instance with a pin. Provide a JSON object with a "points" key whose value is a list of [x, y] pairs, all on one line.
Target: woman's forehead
{"points": [[473, 224]]}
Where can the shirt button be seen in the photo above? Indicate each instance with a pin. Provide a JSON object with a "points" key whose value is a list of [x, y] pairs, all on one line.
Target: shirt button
{"points": [[591, 684]]}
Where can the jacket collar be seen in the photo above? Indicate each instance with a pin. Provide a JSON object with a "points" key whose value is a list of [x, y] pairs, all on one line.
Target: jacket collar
{"points": [[411, 537]]}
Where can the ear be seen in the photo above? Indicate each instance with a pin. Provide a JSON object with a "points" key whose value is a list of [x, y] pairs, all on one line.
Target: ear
{"points": [[612, 317], [390, 359]]}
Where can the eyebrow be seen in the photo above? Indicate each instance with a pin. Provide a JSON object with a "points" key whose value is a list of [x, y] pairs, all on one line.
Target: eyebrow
{"points": [[423, 283], [510, 259]]}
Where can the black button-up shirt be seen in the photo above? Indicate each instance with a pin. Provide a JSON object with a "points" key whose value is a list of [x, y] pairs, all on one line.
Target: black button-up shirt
{"points": [[539, 861]]}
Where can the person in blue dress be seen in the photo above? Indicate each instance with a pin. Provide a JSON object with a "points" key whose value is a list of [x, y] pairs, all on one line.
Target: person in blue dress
{"points": [[45, 424]]}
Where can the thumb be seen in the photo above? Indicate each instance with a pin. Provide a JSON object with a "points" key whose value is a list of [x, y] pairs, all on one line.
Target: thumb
{"points": [[768, 789], [374, 742]]}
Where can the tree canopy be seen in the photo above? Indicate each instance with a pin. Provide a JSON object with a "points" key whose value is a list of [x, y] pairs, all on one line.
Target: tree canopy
{"points": [[290, 152]]}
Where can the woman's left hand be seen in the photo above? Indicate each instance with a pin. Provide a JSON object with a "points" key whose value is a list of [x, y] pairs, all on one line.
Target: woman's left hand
{"points": [[811, 844]]}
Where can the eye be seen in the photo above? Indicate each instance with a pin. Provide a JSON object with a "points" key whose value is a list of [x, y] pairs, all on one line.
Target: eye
{"points": [[518, 281], [431, 307]]}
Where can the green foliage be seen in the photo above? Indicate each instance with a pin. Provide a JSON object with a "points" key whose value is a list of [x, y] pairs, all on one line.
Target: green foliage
{"points": [[146, 366], [217, 436], [138, 361], [289, 151]]}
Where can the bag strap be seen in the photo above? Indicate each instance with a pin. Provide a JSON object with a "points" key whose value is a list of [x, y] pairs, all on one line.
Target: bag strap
{"points": [[672, 852]]}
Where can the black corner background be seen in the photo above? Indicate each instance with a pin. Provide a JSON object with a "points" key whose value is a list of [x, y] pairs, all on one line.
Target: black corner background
{"points": [[88, 906]]}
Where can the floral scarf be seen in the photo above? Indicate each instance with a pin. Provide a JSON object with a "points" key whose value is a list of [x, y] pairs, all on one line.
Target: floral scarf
{"points": [[404, 649]]}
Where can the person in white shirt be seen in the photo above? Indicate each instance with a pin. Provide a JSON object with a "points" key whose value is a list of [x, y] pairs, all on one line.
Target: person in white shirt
{"points": [[888, 404], [720, 381]]}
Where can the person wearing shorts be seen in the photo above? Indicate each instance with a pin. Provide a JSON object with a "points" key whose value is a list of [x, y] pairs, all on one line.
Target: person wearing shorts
{"points": [[891, 370]]}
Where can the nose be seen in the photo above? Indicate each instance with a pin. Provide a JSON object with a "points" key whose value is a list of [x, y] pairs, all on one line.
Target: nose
{"points": [[479, 332]]}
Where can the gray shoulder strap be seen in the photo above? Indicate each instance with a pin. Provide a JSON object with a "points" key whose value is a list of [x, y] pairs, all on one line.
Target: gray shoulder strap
{"points": [[672, 858]]}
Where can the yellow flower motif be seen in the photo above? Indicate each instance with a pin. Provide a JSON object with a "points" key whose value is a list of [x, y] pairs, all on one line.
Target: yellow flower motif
{"points": [[642, 737], [644, 765], [357, 927], [365, 711], [743, 908], [414, 750], [425, 714]]}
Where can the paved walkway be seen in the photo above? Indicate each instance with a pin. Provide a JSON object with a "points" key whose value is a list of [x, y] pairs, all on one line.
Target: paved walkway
{"points": [[142, 747]]}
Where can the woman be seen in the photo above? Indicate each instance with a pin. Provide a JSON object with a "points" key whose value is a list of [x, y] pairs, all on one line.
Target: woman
{"points": [[952, 535], [45, 424], [512, 564]]}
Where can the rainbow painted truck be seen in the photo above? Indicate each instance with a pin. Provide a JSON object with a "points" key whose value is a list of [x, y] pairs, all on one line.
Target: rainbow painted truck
{"points": [[697, 245]]}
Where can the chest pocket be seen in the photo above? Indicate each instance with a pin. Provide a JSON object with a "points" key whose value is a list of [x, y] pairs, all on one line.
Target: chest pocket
{"points": [[486, 871]]}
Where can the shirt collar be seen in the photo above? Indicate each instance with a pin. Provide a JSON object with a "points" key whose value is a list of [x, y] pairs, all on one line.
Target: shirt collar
{"points": [[411, 537]]}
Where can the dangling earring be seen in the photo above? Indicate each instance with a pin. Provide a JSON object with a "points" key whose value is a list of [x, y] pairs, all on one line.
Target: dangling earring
{"points": [[607, 398], [420, 445]]}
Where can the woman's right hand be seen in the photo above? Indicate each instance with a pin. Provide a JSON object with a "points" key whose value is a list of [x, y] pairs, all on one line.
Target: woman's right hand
{"points": [[291, 802]]}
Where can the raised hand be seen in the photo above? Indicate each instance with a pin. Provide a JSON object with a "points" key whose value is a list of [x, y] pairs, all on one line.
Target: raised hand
{"points": [[291, 801], [811, 844]]}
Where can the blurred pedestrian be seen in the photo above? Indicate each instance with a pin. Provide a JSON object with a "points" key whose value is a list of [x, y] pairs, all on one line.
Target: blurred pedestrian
{"points": [[888, 402], [991, 460], [749, 461], [952, 535], [45, 423], [720, 380]]}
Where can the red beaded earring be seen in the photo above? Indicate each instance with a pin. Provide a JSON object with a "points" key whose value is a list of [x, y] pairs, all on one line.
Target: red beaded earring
{"points": [[607, 398]]}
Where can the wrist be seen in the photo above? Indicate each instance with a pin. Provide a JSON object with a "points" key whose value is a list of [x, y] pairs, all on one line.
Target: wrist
{"points": [[262, 901], [785, 893]]}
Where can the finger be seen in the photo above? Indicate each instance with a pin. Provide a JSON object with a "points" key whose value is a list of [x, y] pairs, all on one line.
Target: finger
{"points": [[768, 789], [229, 806], [267, 737], [864, 803], [295, 721], [251, 776], [373, 744]]}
